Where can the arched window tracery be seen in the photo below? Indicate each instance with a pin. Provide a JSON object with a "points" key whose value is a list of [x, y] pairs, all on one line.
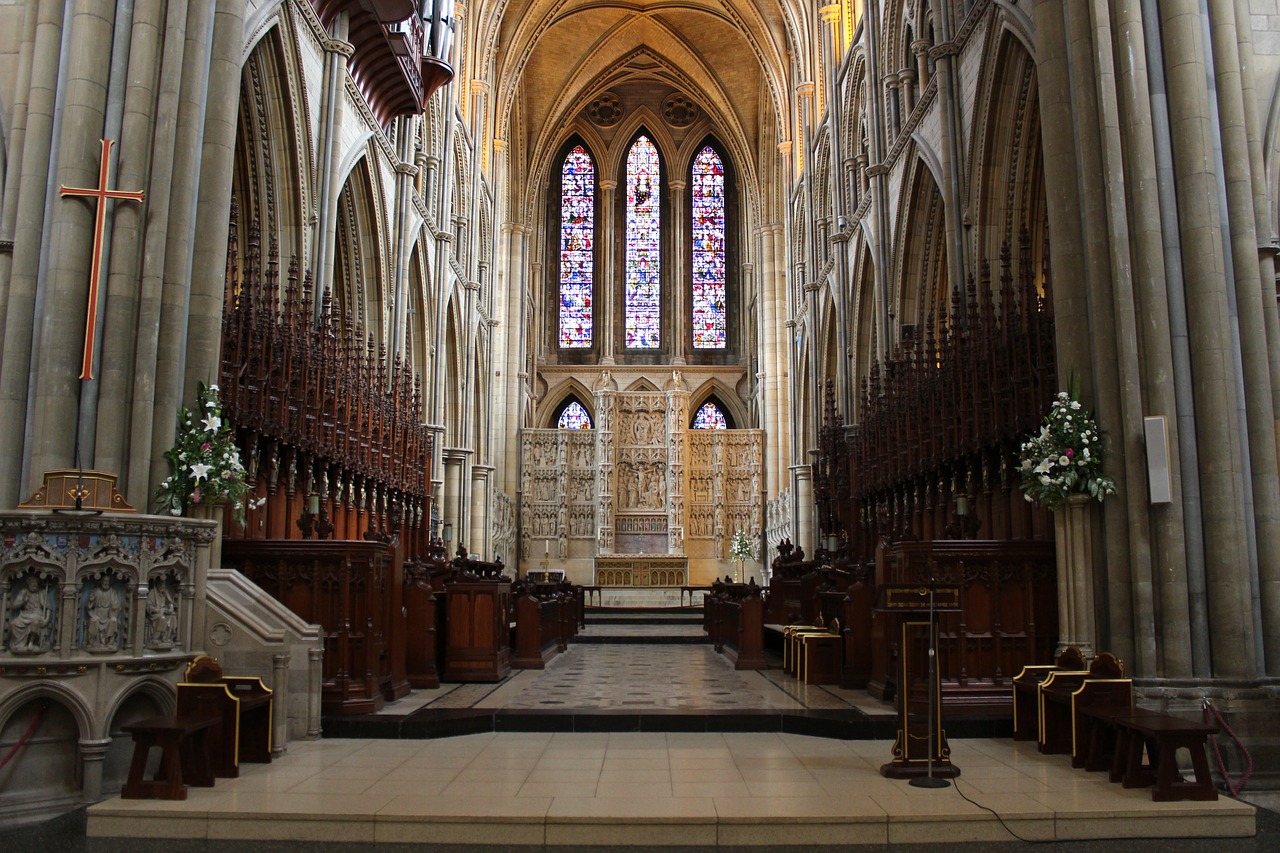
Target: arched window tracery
{"points": [[574, 416], [708, 244], [709, 416], [643, 260], [577, 248]]}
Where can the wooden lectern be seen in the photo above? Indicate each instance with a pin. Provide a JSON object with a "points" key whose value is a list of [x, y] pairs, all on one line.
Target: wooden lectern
{"points": [[921, 747]]}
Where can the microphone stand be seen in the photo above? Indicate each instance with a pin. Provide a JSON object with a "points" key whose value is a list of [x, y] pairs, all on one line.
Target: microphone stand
{"points": [[931, 781]]}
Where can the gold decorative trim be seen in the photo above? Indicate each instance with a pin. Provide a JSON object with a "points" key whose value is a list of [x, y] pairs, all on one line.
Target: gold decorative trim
{"points": [[68, 488]]}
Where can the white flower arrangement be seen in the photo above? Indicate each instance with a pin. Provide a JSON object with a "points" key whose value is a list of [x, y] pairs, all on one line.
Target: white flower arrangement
{"points": [[205, 461], [1065, 458], [740, 547]]}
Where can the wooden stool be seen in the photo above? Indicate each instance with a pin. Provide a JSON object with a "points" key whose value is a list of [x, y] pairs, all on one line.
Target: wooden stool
{"points": [[184, 746], [1163, 736]]}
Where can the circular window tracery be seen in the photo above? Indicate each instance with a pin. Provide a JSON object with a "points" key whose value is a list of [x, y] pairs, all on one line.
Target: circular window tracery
{"points": [[606, 110]]}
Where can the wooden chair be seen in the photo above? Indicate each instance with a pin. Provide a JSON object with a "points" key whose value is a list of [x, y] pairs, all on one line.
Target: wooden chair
{"points": [[1064, 695], [1026, 689], [820, 658], [241, 703]]}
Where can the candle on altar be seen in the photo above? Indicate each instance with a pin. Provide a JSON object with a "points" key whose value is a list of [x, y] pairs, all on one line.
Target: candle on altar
{"points": [[546, 547]]}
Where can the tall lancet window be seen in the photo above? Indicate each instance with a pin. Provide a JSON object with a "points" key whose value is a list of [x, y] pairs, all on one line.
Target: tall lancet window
{"points": [[708, 250], [643, 264], [577, 252]]}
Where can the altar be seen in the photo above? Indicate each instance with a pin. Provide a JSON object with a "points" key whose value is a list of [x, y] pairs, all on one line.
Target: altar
{"points": [[642, 571]]}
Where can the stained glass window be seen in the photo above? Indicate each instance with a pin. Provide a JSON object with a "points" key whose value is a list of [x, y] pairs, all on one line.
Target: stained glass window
{"points": [[708, 250], [710, 417], [574, 416], [577, 257], [644, 221]]}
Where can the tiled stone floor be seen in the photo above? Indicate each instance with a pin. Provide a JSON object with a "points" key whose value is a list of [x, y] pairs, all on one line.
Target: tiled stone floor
{"points": [[676, 791], [696, 791]]}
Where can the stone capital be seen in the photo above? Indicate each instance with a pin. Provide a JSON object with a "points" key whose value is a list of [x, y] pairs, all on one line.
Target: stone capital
{"points": [[406, 169], [345, 48], [877, 170]]}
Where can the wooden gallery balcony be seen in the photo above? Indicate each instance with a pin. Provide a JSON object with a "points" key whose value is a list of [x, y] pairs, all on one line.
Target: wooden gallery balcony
{"points": [[387, 63]]}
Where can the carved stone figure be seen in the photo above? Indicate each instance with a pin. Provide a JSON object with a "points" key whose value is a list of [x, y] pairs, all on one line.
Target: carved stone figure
{"points": [[102, 617], [162, 615], [31, 615]]}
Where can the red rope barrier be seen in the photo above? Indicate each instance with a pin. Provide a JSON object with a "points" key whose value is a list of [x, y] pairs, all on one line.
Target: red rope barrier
{"points": [[1236, 788], [26, 736]]}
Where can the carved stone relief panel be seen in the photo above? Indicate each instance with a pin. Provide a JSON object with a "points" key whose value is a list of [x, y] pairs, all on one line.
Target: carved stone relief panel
{"points": [[581, 456]]}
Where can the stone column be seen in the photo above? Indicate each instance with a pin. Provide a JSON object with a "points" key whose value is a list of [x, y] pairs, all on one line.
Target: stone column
{"points": [[280, 700], [1217, 411], [907, 85], [605, 291], [92, 753], [481, 521], [604, 403], [802, 480], [315, 672], [1073, 541], [1170, 534], [1239, 171], [510, 400], [894, 106], [217, 159], [60, 310], [337, 50], [452, 515], [920, 47], [1116, 368], [680, 300], [765, 312], [677, 433], [1269, 569]]}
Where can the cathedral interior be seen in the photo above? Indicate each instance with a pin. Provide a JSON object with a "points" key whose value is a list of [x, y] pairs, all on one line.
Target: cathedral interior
{"points": [[643, 295]]}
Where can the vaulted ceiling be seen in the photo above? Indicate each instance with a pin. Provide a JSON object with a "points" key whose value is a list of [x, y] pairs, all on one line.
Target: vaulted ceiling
{"points": [[547, 60]]}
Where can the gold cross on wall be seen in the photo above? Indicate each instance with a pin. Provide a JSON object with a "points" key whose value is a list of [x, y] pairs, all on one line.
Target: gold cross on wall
{"points": [[101, 193]]}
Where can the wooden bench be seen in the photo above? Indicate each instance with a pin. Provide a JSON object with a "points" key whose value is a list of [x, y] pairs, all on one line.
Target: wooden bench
{"points": [[1162, 735], [1026, 691], [184, 744]]}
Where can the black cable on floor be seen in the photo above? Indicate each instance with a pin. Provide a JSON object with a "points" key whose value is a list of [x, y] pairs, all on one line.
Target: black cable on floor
{"points": [[955, 782]]}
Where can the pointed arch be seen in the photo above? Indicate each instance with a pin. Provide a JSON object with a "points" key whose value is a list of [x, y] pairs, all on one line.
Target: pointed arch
{"points": [[921, 289], [357, 257], [1008, 189], [725, 398], [642, 384], [570, 391], [270, 175]]}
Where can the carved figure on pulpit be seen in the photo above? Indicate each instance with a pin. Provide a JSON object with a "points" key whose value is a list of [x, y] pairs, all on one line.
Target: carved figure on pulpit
{"points": [[162, 614], [102, 617], [30, 617]]}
